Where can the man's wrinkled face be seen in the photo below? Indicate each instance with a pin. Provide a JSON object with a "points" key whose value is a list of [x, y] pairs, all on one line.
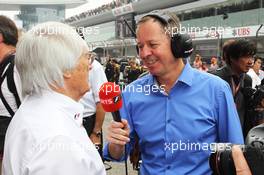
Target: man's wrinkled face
{"points": [[80, 74]]}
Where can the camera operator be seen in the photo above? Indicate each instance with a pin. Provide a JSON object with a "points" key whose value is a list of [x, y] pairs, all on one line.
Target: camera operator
{"points": [[238, 55]]}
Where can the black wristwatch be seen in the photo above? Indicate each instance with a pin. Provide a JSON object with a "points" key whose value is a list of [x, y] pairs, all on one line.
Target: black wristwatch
{"points": [[98, 133]]}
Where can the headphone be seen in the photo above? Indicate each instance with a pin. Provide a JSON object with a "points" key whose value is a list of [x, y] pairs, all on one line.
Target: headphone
{"points": [[181, 44]]}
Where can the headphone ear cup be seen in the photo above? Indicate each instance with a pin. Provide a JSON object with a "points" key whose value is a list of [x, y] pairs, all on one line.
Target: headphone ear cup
{"points": [[176, 46], [181, 45]]}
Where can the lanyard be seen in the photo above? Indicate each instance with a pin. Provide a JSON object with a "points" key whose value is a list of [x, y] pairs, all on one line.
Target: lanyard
{"points": [[234, 87]]}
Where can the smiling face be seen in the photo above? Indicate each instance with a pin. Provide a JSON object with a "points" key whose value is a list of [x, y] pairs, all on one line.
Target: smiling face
{"points": [[155, 48]]}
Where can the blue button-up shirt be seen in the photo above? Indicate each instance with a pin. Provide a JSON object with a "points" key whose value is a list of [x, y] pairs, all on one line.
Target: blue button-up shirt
{"points": [[175, 130]]}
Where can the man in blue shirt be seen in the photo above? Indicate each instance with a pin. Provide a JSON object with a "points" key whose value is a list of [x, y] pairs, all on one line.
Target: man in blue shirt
{"points": [[176, 111]]}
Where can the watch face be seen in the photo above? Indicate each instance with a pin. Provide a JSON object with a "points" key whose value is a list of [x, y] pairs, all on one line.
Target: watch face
{"points": [[98, 134]]}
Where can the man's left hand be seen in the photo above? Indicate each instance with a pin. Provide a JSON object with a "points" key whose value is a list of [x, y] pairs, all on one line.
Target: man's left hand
{"points": [[95, 139]]}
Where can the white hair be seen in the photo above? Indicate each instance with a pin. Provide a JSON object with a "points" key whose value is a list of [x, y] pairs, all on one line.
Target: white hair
{"points": [[44, 53]]}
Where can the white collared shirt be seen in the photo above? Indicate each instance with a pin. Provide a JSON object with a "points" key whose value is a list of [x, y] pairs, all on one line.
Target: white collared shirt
{"points": [[255, 78], [96, 79], [46, 137], [261, 74]]}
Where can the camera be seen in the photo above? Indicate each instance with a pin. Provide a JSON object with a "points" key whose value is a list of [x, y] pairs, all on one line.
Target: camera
{"points": [[254, 97], [254, 105], [221, 161]]}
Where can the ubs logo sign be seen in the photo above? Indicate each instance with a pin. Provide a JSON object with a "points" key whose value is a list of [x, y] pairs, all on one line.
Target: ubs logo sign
{"points": [[245, 31]]}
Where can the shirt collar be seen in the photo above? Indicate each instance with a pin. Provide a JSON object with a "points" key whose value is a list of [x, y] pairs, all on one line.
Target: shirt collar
{"points": [[186, 76], [65, 103]]}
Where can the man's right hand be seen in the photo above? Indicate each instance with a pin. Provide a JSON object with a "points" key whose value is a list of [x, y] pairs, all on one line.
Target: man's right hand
{"points": [[118, 133]]}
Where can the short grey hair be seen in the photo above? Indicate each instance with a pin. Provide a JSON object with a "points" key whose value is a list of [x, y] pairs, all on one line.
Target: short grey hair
{"points": [[165, 18], [44, 53]]}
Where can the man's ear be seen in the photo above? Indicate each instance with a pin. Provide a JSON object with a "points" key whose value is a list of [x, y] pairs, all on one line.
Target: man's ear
{"points": [[1, 38], [67, 74]]}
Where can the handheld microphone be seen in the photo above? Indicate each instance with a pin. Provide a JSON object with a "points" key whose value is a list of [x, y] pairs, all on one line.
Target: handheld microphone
{"points": [[110, 98]]}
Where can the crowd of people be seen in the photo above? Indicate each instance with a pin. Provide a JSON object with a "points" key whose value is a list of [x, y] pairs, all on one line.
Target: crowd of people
{"points": [[56, 127], [198, 63], [104, 8], [123, 71]]}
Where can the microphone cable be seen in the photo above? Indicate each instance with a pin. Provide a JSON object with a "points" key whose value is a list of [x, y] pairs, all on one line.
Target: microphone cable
{"points": [[126, 170]]}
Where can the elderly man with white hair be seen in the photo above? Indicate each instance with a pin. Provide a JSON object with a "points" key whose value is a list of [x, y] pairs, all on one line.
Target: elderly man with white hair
{"points": [[46, 135]]}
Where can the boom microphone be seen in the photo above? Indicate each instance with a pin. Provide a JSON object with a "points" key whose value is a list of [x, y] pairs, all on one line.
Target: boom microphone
{"points": [[110, 98]]}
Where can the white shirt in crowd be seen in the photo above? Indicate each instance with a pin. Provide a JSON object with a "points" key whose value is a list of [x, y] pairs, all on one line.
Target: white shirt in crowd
{"points": [[46, 137], [255, 78], [96, 79], [9, 95], [261, 74]]}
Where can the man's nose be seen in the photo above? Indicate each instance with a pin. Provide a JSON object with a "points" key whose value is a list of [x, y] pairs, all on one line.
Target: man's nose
{"points": [[144, 52]]}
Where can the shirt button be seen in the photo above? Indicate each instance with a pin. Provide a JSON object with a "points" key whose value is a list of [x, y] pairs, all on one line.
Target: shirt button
{"points": [[168, 167], [169, 120]]}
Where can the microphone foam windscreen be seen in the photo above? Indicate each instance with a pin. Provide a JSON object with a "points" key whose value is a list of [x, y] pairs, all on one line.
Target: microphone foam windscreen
{"points": [[110, 97]]}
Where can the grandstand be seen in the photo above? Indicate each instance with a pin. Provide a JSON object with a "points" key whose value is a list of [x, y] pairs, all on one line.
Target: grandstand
{"points": [[34, 12], [217, 21]]}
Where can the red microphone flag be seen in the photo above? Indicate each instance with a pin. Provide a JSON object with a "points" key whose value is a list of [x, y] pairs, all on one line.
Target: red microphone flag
{"points": [[110, 97]]}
